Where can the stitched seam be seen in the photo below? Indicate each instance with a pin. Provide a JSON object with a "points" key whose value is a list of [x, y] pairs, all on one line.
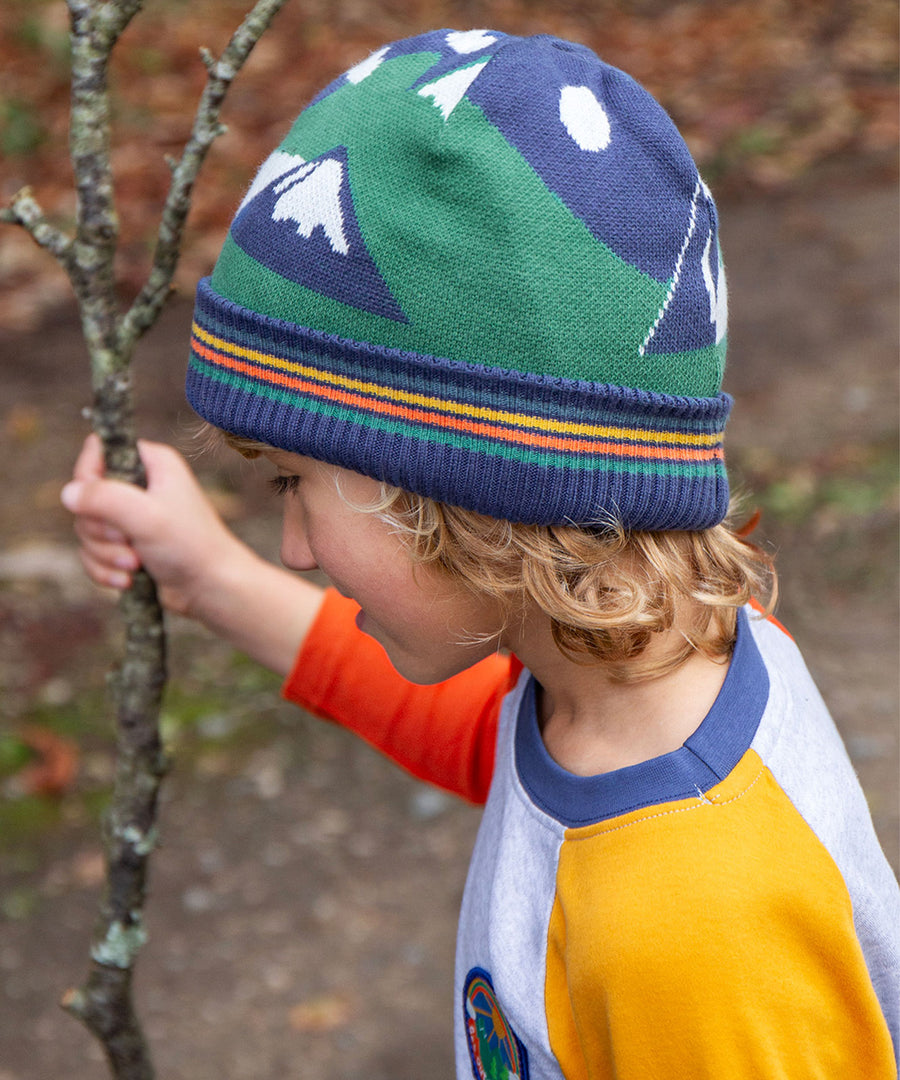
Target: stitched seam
{"points": [[537, 812], [704, 801]]}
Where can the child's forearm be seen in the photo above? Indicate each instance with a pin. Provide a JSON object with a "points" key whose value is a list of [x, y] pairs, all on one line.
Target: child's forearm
{"points": [[259, 608]]}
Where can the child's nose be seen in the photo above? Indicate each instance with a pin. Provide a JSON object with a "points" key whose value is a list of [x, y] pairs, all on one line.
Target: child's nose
{"points": [[295, 550]]}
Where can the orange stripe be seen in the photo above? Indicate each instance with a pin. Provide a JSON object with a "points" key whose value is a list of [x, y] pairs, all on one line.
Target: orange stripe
{"points": [[420, 416], [448, 405]]}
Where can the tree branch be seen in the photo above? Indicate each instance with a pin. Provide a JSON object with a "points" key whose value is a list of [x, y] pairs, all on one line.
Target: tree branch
{"points": [[24, 210], [104, 1002], [206, 128], [95, 28]]}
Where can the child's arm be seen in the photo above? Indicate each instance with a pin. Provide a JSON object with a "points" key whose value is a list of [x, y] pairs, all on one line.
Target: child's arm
{"points": [[444, 733], [201, 568], [204, 572]]}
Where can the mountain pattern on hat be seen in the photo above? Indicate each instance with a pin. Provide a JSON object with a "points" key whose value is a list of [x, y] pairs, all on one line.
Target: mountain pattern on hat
{"points": [[484, 268]]}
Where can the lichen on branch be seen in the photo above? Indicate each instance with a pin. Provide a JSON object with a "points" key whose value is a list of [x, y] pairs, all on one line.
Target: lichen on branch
{"points": [[104, 1002]]}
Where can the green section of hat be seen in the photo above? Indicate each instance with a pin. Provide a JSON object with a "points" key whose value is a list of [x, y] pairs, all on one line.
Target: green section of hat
{"points": [[488, 264]]}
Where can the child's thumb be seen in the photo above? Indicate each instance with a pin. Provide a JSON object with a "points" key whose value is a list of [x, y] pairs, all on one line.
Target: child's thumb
{"points": [[121, 505], [71, 495]]}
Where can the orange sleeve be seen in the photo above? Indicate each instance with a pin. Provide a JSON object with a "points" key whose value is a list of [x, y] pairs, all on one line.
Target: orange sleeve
{"points": [[444, 734], [757, 606]]}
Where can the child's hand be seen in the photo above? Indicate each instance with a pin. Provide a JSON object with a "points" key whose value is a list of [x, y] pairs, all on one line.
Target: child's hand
{"points": [[170, 528], [201, 568]]}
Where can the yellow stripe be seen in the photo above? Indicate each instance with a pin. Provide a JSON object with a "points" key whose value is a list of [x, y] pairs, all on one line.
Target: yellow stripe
{"points": [[460, 408]]}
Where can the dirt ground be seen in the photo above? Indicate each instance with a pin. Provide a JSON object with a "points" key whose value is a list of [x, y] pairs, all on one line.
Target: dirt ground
{"points": [[304, 897]]}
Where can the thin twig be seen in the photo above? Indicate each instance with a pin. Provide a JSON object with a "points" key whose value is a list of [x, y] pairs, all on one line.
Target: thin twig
{"points": [[104, 1002], [95, 28], [25, 210], [206, 128]]}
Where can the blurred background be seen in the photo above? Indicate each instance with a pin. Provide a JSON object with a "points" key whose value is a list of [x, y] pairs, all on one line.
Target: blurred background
{"points": [[303, 902]]}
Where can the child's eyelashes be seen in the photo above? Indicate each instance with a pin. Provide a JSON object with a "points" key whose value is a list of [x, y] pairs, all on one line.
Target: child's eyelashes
{"points": [[284, 485]]}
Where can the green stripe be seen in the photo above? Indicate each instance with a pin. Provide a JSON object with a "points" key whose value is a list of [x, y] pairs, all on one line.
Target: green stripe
{"points": [[418, 379], [462, 442]]}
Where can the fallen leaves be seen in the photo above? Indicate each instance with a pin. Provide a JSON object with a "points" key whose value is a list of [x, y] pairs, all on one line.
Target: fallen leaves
{"points": [[764, 90], [48, 765]]}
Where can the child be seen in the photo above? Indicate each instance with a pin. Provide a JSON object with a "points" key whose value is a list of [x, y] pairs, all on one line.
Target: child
{"points": [[473, 311]]}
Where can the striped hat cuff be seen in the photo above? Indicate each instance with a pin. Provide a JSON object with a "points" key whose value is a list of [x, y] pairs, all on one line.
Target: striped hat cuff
{"points": [[518, 446]]}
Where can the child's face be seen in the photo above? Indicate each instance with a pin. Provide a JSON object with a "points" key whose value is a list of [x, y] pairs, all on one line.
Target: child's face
{"points": [[423, 619]]}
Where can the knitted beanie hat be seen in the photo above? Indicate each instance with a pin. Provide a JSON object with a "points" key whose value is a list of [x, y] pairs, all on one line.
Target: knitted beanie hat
{"points": [[484, 269]]}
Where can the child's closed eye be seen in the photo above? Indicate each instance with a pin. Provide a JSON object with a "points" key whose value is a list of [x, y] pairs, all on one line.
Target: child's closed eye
{"points": [[284, 485]]}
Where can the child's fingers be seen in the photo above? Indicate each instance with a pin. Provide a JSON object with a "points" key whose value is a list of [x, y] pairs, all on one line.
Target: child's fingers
{"points": [[157, 458], [114, 552], [93, 530], [163, 465], [169, 527], [115, 508], [102, 573], [89, 464]]}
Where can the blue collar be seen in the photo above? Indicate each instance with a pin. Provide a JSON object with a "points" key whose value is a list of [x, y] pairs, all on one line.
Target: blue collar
{"points": [[705, 759]]}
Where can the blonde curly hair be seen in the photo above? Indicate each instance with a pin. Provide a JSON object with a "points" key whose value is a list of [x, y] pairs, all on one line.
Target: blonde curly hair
{"points": [[605, 591]]}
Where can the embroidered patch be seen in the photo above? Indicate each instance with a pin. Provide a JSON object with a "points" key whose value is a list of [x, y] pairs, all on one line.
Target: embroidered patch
{"points": [[494, 1047]]}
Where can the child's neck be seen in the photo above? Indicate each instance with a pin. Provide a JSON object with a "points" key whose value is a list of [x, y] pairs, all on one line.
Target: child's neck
{"points": [[591, 724]]}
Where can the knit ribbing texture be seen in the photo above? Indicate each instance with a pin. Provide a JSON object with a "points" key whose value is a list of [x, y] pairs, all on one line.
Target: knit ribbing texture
{"points": [[485, 269]]}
